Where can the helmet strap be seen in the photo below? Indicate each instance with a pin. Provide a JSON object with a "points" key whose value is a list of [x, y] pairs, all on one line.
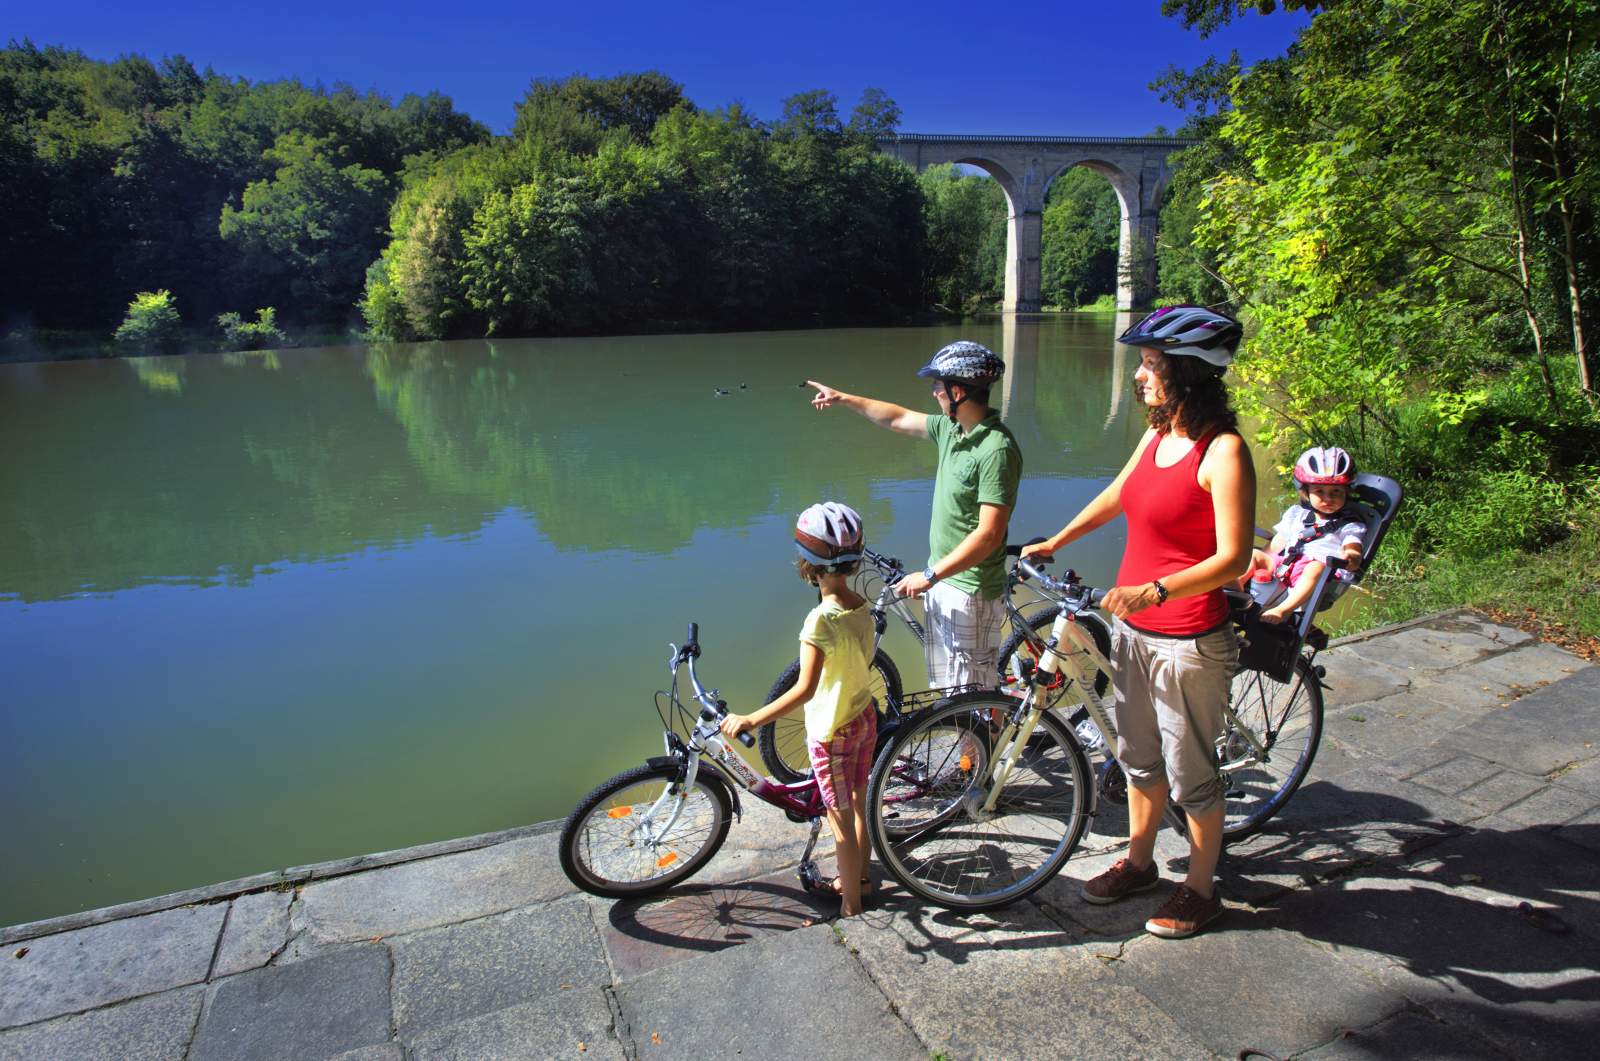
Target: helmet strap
{"points": [[955, 403]]}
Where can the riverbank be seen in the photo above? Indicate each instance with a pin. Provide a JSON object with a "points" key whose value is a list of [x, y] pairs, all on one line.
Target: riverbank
{"points": [[1433, 889]]}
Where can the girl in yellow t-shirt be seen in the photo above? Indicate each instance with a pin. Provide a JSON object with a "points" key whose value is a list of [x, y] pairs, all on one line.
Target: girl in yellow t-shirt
{"points": [[836, 645]]}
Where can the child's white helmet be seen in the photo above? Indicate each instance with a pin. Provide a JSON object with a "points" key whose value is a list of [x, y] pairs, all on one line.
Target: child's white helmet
{"points": [[829, 533], [1324, 466]]}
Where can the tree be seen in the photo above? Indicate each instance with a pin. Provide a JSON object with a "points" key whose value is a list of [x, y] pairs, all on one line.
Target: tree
{"points": [[313, 226], [1082, 221], [875, 116]]}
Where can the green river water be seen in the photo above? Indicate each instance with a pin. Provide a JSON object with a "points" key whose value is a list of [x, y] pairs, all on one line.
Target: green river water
{"points": [[259, 610]]}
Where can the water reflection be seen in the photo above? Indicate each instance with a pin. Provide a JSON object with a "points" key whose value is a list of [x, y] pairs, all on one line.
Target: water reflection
{"points": [[264, 609]]}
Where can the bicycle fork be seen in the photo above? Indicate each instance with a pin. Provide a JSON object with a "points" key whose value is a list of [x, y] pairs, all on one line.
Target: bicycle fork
{"points": [[1014, 737]]}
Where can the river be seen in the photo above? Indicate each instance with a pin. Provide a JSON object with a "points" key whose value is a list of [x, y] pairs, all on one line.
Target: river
{"points": [[259, 610]]}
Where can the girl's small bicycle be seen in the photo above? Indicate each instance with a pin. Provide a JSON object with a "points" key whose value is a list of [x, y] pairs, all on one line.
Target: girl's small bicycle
{"points": [[651, 827]]}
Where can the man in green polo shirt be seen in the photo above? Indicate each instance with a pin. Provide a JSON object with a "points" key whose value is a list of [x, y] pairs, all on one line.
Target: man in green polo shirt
{"points": [[974, 492]]}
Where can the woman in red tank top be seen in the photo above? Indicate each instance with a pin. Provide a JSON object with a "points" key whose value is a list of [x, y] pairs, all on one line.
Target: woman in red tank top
{"points": [[1188, 493]]}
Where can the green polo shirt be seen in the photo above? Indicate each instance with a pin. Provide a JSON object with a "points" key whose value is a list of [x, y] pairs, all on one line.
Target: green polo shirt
{"points": [[980, 467]]}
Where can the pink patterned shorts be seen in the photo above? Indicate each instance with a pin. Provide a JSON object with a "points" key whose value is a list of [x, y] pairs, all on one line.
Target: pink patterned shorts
{"points": [[841, 765]]}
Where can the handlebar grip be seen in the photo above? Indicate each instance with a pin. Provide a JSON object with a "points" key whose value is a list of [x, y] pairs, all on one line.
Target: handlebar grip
{"points": [[747, 740], [1016, 550], [692, 646], [1095, 597]]}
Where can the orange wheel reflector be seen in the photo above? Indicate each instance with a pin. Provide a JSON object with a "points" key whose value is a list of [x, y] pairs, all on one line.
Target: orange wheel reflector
{"points": [[966, 764], [619, 812], [666, 860]]}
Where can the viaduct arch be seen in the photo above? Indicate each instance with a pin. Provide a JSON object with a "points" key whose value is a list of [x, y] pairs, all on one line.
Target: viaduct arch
{"points": [[1138, 168]]}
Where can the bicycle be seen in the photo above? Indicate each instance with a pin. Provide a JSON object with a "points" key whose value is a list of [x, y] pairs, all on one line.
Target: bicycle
{"points": [[783, 741], [1020, 812], [646, 829]]}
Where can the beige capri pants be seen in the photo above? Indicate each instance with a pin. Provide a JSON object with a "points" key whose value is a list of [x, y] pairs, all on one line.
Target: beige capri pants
{"points": [[1170, 692]]}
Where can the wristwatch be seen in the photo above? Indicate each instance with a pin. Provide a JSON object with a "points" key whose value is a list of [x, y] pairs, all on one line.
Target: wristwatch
{"points": [[1161, 592], [928, 573]]}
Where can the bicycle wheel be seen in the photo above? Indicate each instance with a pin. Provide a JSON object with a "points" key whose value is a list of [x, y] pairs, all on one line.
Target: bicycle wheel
{"points": [[783, 741], [928, 774], [1286, 719], [960, 856], [608, 846], [1018, 658]]}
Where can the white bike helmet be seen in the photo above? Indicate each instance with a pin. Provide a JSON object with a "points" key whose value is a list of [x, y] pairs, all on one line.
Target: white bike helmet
{"points": [[828, 534], [965, 362], [1324, 466], [1192, 331]]}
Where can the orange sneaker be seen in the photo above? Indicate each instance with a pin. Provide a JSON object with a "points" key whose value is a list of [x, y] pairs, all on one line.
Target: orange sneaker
{"points": [[1183, 914]]}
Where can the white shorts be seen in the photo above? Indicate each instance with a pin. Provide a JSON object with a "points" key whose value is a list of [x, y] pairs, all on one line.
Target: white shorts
{"points": [[963, 645]]}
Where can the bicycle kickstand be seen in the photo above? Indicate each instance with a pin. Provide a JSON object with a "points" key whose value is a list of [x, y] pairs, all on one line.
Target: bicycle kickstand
{"points": [[810, 879]]}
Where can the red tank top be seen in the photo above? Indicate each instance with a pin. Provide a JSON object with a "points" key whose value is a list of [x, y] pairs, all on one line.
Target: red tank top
{"points": [[1171, 526]]}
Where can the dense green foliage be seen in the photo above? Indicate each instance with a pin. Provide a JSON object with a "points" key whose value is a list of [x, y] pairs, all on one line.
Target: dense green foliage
{"points": [[152, 323], [1081, 223], [965, 252], [128, 176], [619, 206], [259, 334], [614, 205], [1404, 209]]}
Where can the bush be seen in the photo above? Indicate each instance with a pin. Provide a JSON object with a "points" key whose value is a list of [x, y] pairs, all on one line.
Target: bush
{"points": [[152, 322], [263, 332]]}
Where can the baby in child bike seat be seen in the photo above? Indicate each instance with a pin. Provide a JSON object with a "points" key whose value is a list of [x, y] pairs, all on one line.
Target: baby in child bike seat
{"points": [[1321, 527]]}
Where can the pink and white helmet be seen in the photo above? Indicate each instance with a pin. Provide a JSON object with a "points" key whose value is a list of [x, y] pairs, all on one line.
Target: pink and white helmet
{"points": [[829, 533], [1324, 466]]}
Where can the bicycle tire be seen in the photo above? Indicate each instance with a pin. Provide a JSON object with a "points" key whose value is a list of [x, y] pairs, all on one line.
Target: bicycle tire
{"points": [[907, 786], [782, 742], [1289, 715], [964, 861], [1018, 651], [696, 835]]}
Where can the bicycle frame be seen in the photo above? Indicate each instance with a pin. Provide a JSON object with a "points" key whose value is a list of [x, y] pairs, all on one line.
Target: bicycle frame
{"points": [[1069, 659]]}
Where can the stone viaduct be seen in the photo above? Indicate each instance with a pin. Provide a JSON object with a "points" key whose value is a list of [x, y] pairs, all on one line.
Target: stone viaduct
{"points": [[1136, 167]]}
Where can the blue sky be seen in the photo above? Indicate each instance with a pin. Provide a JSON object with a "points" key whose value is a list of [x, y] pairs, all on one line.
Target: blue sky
{"points": [[1070, 67]]}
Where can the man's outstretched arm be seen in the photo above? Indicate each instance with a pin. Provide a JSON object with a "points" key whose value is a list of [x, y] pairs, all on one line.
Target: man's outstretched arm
{"points": [[896, 418]]}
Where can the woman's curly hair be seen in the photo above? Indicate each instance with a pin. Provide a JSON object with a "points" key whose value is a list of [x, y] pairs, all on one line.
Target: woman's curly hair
{"points": [[1197, 399]]}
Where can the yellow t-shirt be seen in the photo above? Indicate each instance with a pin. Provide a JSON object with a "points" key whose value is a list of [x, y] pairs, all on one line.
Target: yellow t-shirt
{"points": [[844, 690]]}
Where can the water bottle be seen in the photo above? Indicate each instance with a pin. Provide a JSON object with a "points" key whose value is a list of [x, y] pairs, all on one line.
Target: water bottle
{"points": [[1089, 735]]}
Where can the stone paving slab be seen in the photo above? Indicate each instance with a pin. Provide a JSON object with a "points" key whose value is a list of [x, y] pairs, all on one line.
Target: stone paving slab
{"points": [[433, 892], [1014, 984], [257, 928], [1554, 804], [1550, 729], [1411, 1033], [1253, 983], [1425, 649], [311, 1009], [154, 1028], [76, 971], [569, 1024], [701, 919], [448, 974], [1351, 679], [802, 996], [380, 1052], [1451, 933]]}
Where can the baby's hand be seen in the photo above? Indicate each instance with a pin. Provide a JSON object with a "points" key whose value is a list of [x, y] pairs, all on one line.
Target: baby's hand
{"points": [[1274, 615]]}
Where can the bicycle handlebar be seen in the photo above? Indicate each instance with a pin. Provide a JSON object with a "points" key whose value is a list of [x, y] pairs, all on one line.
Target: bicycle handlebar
{"points": [[1068, 585], [711, 709]]}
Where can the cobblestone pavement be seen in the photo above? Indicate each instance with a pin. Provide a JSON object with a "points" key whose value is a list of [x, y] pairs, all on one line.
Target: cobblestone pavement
{"points": [[1432, 890]]}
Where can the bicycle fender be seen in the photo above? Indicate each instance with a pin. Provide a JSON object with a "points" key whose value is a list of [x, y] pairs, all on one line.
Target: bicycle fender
{"points": [[709, 776]]}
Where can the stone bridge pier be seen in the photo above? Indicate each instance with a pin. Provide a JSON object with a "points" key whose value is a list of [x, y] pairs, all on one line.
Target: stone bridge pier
{"points": [[1138, 168]]}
